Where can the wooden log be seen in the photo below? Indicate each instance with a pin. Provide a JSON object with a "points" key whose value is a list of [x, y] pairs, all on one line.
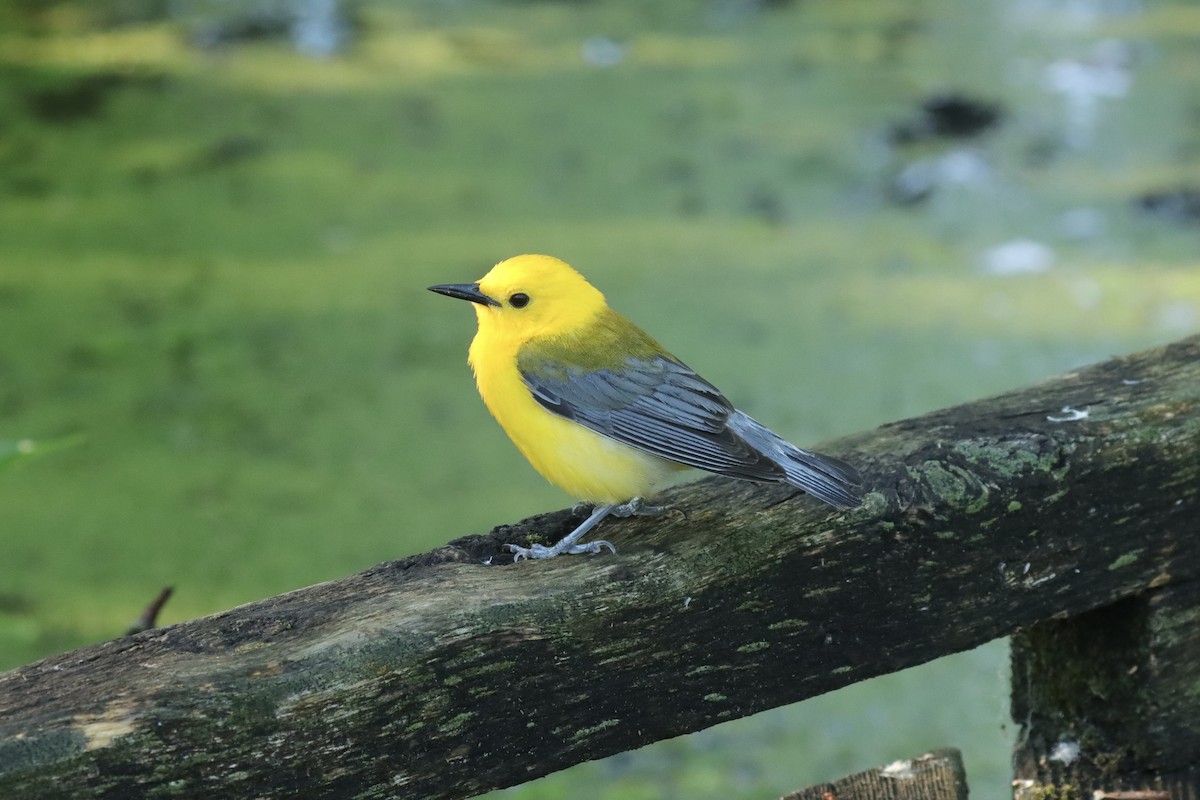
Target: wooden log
{"points": [[938, 775], [439, 677]]}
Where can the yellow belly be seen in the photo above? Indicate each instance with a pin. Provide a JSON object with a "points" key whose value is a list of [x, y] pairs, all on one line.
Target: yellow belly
{"points": [[579, 461], [585, 464]]}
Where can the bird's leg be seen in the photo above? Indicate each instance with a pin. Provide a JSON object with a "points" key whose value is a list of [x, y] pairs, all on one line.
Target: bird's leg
{"points": [[635, 507], [568, 543]]}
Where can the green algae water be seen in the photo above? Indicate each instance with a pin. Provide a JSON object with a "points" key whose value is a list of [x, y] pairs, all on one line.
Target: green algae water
{"points": [[213, 255]]}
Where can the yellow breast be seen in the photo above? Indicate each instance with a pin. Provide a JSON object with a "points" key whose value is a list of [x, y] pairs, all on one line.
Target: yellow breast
{"points": [[579, 461]]}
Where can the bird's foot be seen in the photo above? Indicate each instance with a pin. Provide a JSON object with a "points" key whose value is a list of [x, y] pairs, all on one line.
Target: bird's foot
{"points": [[569, 543], [637, 508], [541, 551]]}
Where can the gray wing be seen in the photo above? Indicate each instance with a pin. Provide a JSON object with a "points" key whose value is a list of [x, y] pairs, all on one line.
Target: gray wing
{"points": [[662, 407], [657, 405]]}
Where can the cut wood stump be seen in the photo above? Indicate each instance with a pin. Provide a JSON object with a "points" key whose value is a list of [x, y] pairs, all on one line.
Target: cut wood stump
{"points": [[938, 775]]}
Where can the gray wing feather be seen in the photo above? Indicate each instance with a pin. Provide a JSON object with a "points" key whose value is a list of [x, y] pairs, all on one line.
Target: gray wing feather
{"points": [[662, 407], [822, 476]]}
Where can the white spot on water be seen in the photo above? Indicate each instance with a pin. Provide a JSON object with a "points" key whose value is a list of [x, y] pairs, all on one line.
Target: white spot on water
{"points": [[1017, 257], [600, 51]]}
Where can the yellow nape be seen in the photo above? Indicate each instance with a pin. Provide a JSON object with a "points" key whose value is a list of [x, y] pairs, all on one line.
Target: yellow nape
{"points": [[537, 299]]}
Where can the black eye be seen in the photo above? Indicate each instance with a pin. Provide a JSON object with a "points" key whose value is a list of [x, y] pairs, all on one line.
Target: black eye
{"points": [[518, 300]]}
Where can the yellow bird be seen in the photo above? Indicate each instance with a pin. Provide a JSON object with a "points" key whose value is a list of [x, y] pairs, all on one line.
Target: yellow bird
{"points": [[603, 411]]}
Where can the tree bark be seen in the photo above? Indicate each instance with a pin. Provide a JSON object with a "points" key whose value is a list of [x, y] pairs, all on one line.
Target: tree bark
{"points": [[439, 677]]}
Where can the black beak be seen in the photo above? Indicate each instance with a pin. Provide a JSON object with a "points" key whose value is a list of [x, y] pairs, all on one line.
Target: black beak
{"points": [[465, 291]]}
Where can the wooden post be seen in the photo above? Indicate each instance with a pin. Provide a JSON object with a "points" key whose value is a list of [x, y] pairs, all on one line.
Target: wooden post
{"points": [[1109, 701]]}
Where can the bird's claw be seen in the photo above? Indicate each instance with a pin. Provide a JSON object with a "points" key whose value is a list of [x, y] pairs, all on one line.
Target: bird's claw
{"points": [[522, 553], [592, 547], [541, 551], [637, 508]]}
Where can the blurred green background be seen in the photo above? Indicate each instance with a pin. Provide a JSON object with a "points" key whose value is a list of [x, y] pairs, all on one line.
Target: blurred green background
{"points": [[217, 221]]}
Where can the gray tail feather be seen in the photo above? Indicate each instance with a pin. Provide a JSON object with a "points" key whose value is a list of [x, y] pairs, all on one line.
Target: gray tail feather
{"points": [[825, 478]]}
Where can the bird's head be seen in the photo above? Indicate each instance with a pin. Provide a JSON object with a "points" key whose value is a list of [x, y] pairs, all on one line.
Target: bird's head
{"points": [[530, 295]]}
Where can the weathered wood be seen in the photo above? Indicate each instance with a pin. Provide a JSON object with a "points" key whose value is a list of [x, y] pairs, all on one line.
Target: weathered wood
{"points": [[938, 775], [1109, 701], [436, 676]]}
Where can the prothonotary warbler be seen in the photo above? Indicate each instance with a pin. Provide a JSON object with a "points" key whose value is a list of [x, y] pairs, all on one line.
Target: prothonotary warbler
{"points": [[603, 411]]}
